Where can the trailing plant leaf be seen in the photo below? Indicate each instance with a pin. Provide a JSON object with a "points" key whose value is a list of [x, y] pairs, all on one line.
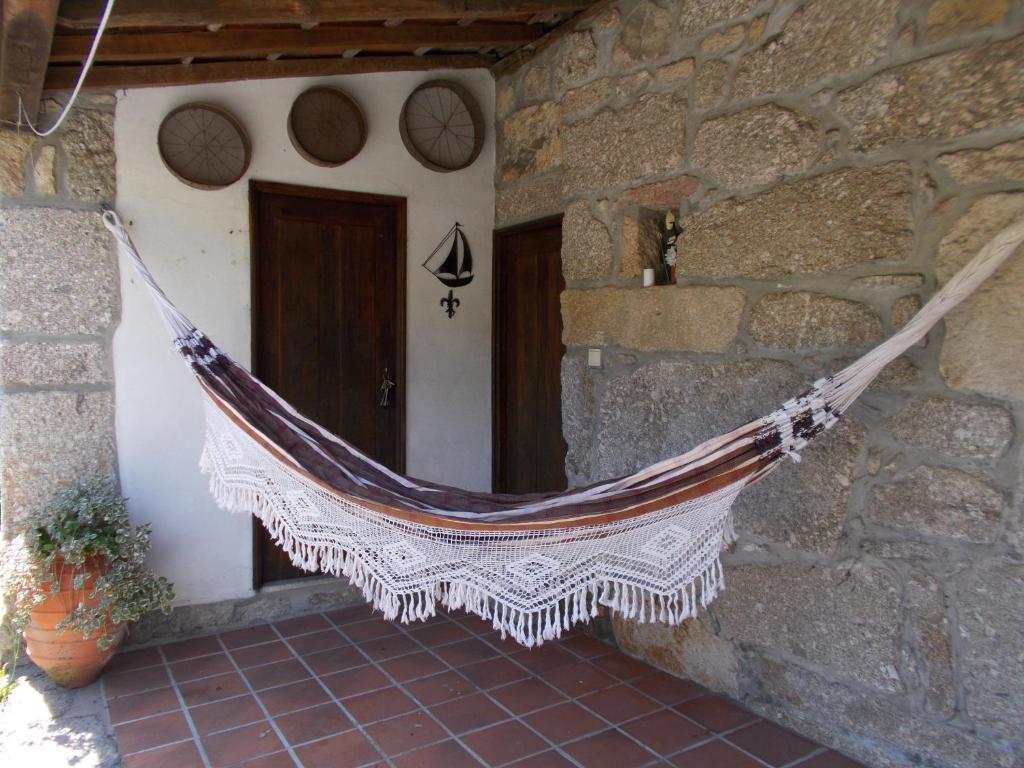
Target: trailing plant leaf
{"points": [[88, 522]]}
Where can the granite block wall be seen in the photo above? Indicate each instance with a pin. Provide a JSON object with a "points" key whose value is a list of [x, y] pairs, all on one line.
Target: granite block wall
{"points": [[59, 305], [833, 162]]}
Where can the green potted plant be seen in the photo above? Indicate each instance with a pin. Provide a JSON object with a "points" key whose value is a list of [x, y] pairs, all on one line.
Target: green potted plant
{"points": [[82, 579]]}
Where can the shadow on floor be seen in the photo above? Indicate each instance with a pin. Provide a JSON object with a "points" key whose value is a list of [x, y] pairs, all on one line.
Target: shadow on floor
{"points": [[45, 726]]}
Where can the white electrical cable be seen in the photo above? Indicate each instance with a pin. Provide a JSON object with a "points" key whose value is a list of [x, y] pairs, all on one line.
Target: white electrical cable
{"points": [[23, 113]]}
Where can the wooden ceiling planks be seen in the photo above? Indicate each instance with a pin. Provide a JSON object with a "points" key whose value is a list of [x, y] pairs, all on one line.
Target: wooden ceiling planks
{"points": [[115, 76], [320, 41], [194, 13], [155, 42]]}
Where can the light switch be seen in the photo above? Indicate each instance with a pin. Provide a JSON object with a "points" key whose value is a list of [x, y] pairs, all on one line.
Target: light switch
{"points": [[594, 358]]}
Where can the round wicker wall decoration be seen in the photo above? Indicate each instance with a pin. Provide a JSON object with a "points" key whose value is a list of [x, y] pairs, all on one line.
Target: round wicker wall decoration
{"points": [[442, 126], [204, 146], [326, 126]]}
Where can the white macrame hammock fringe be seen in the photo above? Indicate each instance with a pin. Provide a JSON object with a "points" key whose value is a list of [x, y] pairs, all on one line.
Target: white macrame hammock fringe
{"points": [[530, 583]]}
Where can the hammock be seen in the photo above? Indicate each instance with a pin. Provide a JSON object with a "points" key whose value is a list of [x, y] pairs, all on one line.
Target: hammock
{"points": [[647, 546]]}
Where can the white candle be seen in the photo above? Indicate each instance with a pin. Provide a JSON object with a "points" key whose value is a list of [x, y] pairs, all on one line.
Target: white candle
{"points": [[648, 277]]}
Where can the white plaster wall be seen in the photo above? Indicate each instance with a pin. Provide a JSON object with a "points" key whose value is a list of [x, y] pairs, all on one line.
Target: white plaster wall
{"points": [[197, 245]]}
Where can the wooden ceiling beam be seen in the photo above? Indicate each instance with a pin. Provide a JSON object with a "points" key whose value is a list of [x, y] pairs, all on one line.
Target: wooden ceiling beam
{"points": [[24, 49], [60, 78], [237, 43], [189, 13]]}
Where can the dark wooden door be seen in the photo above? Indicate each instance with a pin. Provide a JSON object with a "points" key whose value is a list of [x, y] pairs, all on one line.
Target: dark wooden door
{"points": [[328, 294], [529, 450]]}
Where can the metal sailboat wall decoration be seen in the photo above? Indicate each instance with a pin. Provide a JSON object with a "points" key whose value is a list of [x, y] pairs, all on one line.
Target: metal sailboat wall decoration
{"points": [[451, 262]]}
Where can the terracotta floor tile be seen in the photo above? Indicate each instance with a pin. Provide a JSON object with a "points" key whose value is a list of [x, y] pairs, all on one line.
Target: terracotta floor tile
{"points": [[503, 743], [317, 641], [412, 666], [665, 732], [468, 713], [715, 712], [667, 688], [353, 614], [370, 707], [465, 652], [275, 760], [352, 682], [313, 723], [144, 704], [229, 713], [278, 673], [545, 658], [608, 749], [388, 647], [829, 759], [302, 625], [505, 644], [771, 743], [587, 647], [535, 684], [135, 681], [622, 666], [441, 633], [212, 689], [190, 649], [438, 688], [526, 696], [544, 760], [335, 660], [182, 755], [346, 750], [473, 623], [564, 722], [239, 638], [714, 754], [204, 666], [493, 672], [288, 698], [619, 703], [124, 661], [152, 732], [579, 679], [369, 630], [447, 754], [264, 653], [230, 747], [405, 733]]}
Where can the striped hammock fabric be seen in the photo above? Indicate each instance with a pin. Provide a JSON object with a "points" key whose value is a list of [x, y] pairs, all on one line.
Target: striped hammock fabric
{"points": [[646, 546]]}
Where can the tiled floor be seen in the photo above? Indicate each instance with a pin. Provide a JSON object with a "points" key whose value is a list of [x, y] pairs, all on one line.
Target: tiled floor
{"points": [[346, 689]]}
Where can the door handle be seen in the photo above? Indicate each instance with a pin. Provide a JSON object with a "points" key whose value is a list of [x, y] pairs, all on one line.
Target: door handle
{"points": [[386, 387]]}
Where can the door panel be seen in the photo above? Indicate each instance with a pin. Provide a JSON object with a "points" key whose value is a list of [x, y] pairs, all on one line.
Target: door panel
{"points": [[328, 320], [529, 450]]}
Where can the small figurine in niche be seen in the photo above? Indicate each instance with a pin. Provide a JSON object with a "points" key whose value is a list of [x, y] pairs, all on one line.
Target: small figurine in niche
{"points": [[669, 235]]}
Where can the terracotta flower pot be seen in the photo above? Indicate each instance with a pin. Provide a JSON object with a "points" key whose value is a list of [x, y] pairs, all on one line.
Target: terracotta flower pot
{"points": [[69, 658]]}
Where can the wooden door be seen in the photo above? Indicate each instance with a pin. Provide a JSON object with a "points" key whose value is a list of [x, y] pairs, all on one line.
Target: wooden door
{"points": [[328, 293], [529, 450]]}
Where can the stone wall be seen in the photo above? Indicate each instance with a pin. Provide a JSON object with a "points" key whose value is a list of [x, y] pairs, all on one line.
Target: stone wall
{"points": [[59, 304], [834, 162]]}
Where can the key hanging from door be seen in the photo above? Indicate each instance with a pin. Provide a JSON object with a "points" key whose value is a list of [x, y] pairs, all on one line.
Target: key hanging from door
{"points": [[386, 386]]}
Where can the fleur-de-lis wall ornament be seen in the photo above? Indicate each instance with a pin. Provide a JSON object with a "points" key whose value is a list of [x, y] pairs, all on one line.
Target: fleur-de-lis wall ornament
{"points": [[454, 267], [449, 303]]}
